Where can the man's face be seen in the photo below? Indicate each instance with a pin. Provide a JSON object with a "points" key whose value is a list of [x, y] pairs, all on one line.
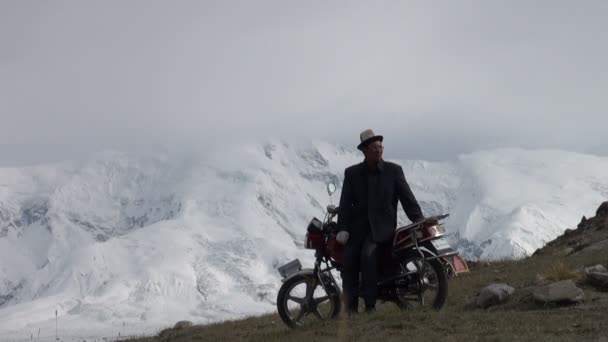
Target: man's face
{"points": [[373, 151]]}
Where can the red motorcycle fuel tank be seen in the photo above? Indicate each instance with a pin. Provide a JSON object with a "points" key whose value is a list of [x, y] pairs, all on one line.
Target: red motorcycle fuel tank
{"points": [[334, 249], [313, 240]]}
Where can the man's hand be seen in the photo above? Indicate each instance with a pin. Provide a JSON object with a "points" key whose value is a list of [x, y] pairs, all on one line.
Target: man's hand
{"points": [[429, 221], [342, 237]]}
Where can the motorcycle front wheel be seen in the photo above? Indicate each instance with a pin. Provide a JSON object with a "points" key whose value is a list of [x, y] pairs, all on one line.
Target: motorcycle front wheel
{"points": [[302, 300]]}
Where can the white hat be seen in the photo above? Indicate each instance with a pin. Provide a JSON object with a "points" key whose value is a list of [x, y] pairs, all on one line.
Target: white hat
{"points": [[367, 137]]}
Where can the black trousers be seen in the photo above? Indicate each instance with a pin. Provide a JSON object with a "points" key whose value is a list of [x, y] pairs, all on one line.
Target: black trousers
{"points": [[361, 254]]}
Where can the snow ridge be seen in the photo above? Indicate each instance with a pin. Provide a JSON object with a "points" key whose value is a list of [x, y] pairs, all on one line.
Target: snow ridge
{"points": [[131, 244]]}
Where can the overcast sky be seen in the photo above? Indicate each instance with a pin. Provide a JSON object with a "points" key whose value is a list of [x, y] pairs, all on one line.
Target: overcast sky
{"points": [[436, 78]]}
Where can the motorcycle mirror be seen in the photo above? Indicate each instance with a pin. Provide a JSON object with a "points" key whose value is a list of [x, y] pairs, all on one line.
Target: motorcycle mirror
{"points": [[331, 188]]}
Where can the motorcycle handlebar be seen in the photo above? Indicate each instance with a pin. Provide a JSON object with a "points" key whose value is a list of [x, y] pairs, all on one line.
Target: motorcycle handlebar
{"points": [[332, 209]]}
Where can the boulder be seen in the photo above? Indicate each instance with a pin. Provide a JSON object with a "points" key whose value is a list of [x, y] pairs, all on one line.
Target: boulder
{"points": [[602, 210], [597, 276], [560, 292], [597, 268], [599, 280], [565, 252], [600, 245], [583, 221], [494, 294], [182, 325]]}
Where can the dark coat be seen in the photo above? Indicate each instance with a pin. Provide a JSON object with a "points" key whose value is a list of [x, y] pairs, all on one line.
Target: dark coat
{"points": [[375, 202]]}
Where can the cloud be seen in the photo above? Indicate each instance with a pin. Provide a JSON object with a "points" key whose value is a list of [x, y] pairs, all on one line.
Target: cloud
{"points": [[437, 79]]}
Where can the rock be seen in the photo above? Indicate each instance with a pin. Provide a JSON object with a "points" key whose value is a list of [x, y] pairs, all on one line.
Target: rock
{"points": [[559, 292], [597, 276], [568, 231], [182, 325], [583, 221], [602, 225], [494, 294], [599, 280], [602, 210], [597, 268], [572, 243], [566, 251], [167, 333], [602, 244]]}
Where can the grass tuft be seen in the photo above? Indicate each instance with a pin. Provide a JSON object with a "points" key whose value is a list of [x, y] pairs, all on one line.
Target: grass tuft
{"points": [[560, 270]]}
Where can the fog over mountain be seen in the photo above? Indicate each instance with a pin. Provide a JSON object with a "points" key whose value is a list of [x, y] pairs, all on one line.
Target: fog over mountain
{"points": [[438, 79]]}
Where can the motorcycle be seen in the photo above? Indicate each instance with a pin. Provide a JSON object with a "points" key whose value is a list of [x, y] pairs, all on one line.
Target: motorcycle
{"points": [[412, 270]]}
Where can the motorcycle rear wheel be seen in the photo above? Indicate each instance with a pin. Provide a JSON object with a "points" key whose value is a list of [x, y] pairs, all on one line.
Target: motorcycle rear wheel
{"points": [[302, 297], [431, 288]]}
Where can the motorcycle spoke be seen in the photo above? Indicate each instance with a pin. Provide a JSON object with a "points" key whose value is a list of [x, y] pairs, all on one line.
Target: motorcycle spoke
{"points": [[310, 290], [296, 299], [301, 315], [317, 313], [321, 300]]}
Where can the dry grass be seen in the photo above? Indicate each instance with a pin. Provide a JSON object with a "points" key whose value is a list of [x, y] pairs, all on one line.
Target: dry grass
{"points": [[560, 270], [517, 320]]}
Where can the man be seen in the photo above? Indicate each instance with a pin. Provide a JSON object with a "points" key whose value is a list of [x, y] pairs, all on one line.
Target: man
{"points": [[368, 217]]}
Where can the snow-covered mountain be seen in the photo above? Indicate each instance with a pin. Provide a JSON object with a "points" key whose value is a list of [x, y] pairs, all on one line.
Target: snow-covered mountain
{"points": [[124, 244]]}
